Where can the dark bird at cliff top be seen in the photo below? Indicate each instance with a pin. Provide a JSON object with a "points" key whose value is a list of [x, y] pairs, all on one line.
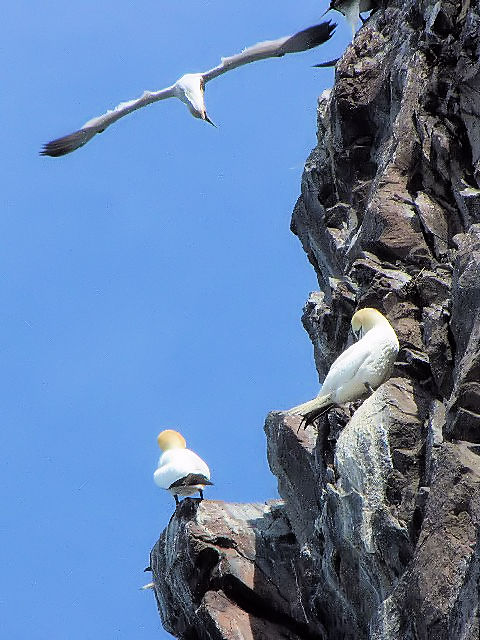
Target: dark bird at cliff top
{"points": [[351, 9], [190, 87]]}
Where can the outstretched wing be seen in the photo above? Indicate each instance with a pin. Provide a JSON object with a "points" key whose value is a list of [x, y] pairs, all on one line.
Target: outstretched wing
{"points": [[67, 144], [73, 141], [301, 41]]}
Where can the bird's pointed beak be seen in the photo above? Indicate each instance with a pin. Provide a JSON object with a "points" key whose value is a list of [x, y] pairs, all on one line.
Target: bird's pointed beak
{"points": [[207, 119], [325, 12]]}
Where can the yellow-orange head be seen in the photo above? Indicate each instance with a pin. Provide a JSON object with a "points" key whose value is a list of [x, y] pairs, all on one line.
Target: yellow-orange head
{"points": [[170, 439], [366, 319]]}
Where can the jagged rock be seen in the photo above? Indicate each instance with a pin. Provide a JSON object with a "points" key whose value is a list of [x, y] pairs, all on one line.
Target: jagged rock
{"points": [[438, 594], [231, 570], [464, 414], [377, 534]]}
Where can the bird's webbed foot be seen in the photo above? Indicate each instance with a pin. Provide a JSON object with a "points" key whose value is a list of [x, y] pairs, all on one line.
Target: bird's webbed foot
{"points": [[310, 417]]}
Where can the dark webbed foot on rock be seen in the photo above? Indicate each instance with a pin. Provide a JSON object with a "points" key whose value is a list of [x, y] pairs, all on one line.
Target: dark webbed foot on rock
{"points": [[310, 417]]}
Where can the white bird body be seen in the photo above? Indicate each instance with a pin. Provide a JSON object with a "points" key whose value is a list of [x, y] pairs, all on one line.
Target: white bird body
{"points": [[180, 471], [175, 464], [351, 9], [190, 87], [362, 367], [190, 90]]}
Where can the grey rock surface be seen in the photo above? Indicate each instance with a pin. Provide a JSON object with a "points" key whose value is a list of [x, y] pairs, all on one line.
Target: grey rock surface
{"points": [[377, 533], [229, 571]]}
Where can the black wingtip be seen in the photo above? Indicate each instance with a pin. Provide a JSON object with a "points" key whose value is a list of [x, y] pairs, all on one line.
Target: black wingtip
{"points": [[67, 144], [191, 480], [309, 38], [328, 63]]}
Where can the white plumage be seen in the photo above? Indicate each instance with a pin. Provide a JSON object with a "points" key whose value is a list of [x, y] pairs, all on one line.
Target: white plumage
{"points": [[351, 9], [360, 368], [176, 464], [180, 470], [190, 87]]}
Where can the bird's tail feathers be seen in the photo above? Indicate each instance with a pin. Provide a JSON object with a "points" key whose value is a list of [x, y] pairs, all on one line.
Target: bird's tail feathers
{"points": [[318, 403]]}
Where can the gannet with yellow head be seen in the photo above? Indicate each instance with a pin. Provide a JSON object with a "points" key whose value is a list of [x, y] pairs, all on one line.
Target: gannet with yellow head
{"points": [[190, 88], [180, 470], [361, 368]]}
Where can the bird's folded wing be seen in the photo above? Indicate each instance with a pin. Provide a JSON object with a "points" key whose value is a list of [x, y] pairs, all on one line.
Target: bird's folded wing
{"points": [[347, 364], [180, 463], [191, 480]]}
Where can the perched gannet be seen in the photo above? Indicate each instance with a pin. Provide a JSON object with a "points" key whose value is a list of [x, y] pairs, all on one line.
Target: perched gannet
{"points": [[360, 368], [351, 9], [190, 87], [180, 470]]}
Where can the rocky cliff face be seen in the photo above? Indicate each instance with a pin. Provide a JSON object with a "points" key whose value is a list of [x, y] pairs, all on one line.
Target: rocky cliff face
{"points": [[377, 532]]}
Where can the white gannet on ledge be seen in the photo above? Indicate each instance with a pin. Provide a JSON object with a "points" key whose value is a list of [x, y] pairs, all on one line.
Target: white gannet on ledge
{"points": [[359, 369], [351, 9], [190, 87], [180, 470]]}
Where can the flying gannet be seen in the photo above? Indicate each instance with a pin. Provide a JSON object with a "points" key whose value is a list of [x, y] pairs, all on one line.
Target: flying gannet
{"points": [[351, 9], [191, 86], [359, 369], [180, 470]]}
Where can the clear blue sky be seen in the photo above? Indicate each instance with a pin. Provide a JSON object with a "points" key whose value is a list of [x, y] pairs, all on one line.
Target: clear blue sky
{"points": [[148, 280]]}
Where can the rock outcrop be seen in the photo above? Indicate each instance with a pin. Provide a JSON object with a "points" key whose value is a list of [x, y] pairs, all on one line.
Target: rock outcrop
{"points": [[377, 532]]}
